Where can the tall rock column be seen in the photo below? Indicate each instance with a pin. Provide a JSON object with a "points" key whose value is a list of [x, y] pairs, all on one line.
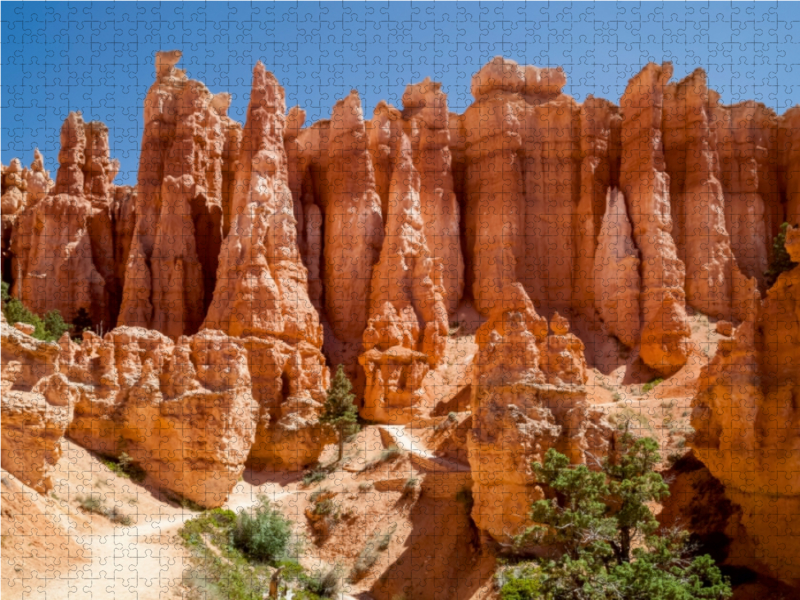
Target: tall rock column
{"points": [[743, 148], [353, 222], [64, 244], [617, 283], [425, 109], [599, 121], [493, 181], [407, 331], [697, 202], [747, 425], [528, 395], [790, 159], [261, 293], [645, 184], [187, 133]]}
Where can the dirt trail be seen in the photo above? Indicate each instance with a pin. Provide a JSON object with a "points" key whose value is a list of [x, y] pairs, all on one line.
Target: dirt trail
{"points": [[420, 454]]}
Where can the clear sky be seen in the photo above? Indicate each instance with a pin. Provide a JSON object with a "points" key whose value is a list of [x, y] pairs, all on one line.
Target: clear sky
{"points": [[98, 57]]}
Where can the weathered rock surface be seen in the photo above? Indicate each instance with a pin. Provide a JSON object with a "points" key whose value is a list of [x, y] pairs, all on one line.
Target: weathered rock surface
{"points": [[407, 331], [64, 243], [747, 421], [713, 280], [529, 396], [183, 183], [617, 284], [645, 185], [37, 406], [262, 288]]}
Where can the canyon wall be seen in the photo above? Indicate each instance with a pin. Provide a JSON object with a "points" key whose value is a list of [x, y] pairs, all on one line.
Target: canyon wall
{"points": [[277, 249], [747, 419]]}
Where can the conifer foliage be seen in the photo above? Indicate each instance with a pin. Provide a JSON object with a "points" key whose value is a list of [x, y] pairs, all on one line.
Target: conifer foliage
{"points": [[340, 412]]}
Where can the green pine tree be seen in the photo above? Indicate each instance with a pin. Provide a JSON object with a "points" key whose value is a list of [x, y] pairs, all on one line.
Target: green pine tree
{"points": [[781, 261], [82, 321], [611, 542], [340, 413]]}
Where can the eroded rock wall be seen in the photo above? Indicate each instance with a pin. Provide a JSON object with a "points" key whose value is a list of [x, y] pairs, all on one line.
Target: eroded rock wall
{"points": [[747, 423], [528, 396]]}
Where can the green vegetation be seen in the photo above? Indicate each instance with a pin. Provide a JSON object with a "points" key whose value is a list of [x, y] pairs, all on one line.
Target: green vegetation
{"points": [[387, 454], [411, 486], [94, 504], [263, 535], [365, 486], [82, 322], [464, 495], [650, 385], [339, 412], [182, 502], [125, 466], [612, 547], [315, 475], [48, 329], [323, 583], [781, 261], [223, 569], [371, 552]]}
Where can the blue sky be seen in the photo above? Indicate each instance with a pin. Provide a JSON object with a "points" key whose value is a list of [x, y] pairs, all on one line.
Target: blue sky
{"points": [[98, 57]]}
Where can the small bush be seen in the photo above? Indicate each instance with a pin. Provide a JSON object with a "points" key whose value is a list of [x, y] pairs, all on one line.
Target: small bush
{"points": [[365, 486], [650, 385], [464, 495], [616, 397], [781, 261], [410, 486], [125, 466], [314, 476], [264, 534], [323, 582], [116, 516], [92, 504]]}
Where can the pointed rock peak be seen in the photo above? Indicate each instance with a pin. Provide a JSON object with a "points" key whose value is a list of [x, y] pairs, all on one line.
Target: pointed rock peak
{"points": [[294, 121], [266, 90], [424, 93], [166, 61], [221, 102]]}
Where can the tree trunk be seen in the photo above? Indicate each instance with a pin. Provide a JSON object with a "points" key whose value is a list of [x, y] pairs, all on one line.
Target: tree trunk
{"points": [[341, 447]]}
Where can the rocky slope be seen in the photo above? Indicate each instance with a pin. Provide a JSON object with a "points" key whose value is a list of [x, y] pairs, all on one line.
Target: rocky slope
{"points": [[570, 242]]}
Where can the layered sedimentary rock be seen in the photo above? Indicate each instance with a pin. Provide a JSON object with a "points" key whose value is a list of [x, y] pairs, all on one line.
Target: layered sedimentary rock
{"points": [[645, 185], [698, 206], [599, 139], [20, 187], [64, 242], [528, 396], [173, 408], [406, 334], [493, 182], [428, 124], [37, 405], [353, 221], [617, 284], [789, 144], [187, 135], [262, 288], [747, 421], [746, 134]]}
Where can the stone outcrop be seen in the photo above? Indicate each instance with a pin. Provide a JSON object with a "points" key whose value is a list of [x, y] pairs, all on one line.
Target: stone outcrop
{"points": [[184, 183], [747, 420], [528, 396], [645, 185], [713, 279], [261, 281], [20, 187], [192, 413], [64, 242], [407, 331], [428, 124], [37, 406], [617, 284], [353, 221]]}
